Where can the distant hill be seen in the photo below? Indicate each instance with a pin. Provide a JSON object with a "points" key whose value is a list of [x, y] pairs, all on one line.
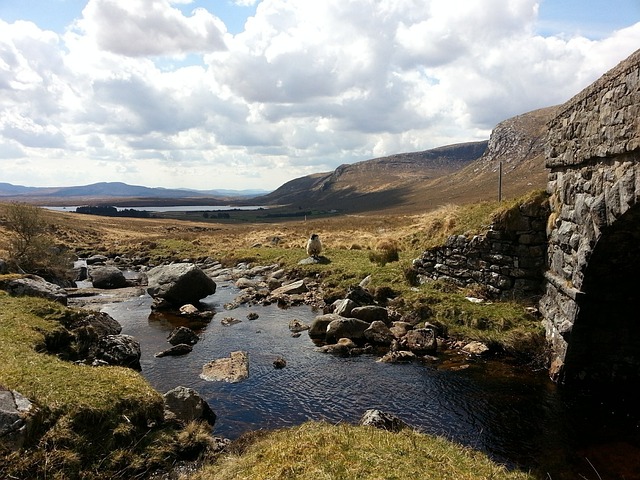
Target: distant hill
{"points": [[373, 184], [116, 192], [421, 181]]}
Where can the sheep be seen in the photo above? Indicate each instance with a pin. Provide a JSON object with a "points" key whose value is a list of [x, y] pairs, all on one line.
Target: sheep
{"points": [[314, 246]]}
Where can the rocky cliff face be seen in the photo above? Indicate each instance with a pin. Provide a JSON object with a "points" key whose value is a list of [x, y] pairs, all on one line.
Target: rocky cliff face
{"points": [[518, 142]]}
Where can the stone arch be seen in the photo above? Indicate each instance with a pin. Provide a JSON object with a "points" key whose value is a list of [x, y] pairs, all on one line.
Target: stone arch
{"points": [[593, 248], [604, 344]]}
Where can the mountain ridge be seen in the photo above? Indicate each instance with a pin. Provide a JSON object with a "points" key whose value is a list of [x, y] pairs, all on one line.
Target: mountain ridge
{"points": [[118, 190]]}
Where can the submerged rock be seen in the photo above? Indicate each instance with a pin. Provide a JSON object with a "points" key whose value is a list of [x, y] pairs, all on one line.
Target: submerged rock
{"points": [[175, 351], [279, 363], [233, 369]]}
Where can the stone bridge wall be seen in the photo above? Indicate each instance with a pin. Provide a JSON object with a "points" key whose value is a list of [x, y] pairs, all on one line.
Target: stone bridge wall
{"points": [[507, 262], [593, 153]]}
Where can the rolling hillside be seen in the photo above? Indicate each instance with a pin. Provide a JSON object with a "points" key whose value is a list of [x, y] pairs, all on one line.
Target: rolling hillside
{"points": [[413, 182]]}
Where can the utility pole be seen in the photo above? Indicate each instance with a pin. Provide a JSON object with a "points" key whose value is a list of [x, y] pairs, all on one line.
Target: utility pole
{"points": [[500, 182]]}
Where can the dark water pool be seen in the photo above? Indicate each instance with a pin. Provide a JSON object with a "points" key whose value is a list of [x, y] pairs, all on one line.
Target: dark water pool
{"points": [[516, 417]]}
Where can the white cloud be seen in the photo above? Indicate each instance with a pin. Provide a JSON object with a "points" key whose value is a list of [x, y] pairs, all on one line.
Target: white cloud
{"points": [[307, 86], [138, 28]]}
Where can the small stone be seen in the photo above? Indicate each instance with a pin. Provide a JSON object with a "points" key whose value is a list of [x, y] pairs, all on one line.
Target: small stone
{"points": [[279, 363]]}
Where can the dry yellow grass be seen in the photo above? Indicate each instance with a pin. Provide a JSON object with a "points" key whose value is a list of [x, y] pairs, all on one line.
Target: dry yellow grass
{"points": [[413, 232]]}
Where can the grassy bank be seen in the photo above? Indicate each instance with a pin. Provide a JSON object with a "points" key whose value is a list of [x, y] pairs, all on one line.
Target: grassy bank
{"points": [[89, 422], [317, 451]]}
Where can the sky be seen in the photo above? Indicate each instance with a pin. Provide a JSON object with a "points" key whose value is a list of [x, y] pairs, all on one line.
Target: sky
{"points": [[249, 94]]}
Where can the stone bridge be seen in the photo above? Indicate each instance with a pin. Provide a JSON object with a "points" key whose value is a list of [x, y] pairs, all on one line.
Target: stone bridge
{"points": [[591, 306]]}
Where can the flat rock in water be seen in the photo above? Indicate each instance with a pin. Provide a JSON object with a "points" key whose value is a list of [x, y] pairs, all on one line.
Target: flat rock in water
{"points": [[293, 288], [233, 369], [175, 351]]}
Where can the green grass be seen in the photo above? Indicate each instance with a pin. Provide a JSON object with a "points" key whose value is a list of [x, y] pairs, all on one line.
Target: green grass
{"points": [[319, 451], [90, 422]]}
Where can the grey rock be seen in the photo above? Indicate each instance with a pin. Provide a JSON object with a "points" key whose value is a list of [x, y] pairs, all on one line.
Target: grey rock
{"points": [[121, 350], [385, 421], [370, 313], [378, 333], [293, 288], [186, 405], [15, 418], [421, 341], [361, 296], [34, 286], [179, 283], [175, 351], [346, 328], [107, 277], [183, 335], [318, 327], [344, 307]]}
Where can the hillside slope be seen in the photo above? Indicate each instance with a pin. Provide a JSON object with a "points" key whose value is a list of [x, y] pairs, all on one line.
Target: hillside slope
{"points": [[413, 182], [373, 184], [518, 143]]}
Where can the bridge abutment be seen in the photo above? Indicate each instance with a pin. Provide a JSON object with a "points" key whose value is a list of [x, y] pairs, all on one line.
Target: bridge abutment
{"points": [[593, 154]]}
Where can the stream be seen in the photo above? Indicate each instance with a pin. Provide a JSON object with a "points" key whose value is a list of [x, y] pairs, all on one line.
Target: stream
{"points": [[517, 417]]}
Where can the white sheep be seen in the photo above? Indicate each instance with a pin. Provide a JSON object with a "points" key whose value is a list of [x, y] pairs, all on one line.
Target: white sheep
{"points": [[314, 246]]}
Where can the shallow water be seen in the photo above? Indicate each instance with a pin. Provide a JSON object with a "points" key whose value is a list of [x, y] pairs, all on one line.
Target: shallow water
{"points": [[518, 418]]}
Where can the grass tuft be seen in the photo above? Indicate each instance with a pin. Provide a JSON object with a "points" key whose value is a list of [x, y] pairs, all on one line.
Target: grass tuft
{"points": [[317, 450]]}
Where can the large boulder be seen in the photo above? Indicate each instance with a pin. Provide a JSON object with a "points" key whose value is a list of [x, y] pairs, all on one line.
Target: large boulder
{"points": [[34, 286], [346, 328], [107, 277], [185, 405], [318, 327], [179, 283]]}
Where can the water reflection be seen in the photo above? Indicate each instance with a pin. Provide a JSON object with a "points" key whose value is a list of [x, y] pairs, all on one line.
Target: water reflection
{"points": [[518, 418]]}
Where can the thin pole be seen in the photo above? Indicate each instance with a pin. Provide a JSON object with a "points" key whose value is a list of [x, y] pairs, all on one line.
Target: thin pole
{"points": [[500, 183]]}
